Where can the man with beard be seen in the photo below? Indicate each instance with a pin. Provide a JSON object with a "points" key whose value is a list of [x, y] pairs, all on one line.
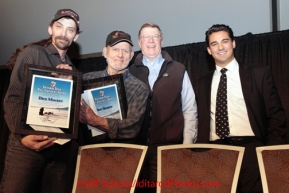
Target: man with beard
{"points": [[118, 53], [33, 162]]}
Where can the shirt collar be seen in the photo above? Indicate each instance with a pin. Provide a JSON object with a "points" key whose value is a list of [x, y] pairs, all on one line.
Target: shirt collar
{"points": [[158, 60], [232, 67], [51, 49], [105, 73]]}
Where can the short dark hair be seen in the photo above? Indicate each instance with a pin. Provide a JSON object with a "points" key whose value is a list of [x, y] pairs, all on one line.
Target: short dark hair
{"points": [[217, 28]]}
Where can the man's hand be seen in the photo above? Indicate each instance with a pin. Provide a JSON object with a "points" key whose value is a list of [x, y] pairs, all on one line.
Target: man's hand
{"points": [[87, 116], [63, 76], [37, 142]]}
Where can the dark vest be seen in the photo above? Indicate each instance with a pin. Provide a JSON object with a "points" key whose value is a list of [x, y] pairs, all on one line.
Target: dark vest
{"points": [[167, 123]]}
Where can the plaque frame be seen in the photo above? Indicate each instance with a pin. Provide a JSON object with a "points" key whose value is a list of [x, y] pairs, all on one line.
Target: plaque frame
{"points": [[110, 80], [43, 71]]}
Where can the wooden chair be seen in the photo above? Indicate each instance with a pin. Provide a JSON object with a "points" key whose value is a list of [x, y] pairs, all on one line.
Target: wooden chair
{"points": [[108, 167], [199, 168], [274, 168]]}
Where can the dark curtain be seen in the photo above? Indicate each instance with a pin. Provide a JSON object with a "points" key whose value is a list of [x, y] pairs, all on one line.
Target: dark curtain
{"points": [[253, 50], [4, 131]]}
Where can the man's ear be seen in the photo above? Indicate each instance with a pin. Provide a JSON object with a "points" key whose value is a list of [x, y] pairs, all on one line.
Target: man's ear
{"points": [[234, 44], [104, 52], [209, 50], [131, 54], [49, 30], [139, 43], [76, 37]]}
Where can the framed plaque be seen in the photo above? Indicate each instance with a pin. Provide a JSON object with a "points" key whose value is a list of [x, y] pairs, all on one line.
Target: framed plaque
{"points": [[107, 98], [49, 102]]}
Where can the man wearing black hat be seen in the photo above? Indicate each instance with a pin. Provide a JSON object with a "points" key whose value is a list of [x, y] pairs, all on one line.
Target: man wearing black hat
{"points": [[34, 163], [118, 53]]}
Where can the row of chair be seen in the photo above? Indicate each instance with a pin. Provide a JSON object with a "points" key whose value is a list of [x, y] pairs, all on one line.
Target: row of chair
{"points": [[115, 167]]}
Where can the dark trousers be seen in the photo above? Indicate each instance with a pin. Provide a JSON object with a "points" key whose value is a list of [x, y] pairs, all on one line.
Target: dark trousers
{"points": [[149, 170], [249, 178], [29, 171]]}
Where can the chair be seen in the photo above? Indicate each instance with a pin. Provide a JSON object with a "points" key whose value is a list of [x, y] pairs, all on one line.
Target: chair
{"points": [[274, 168], [198, 168], [108, 167]]}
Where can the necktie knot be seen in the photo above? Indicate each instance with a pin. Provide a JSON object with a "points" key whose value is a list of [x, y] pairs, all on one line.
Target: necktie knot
{"points": [[224, 70]]}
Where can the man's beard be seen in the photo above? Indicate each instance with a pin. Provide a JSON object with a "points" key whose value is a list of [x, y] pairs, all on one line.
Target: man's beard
{"points": [[113, 66], [61, 45]]}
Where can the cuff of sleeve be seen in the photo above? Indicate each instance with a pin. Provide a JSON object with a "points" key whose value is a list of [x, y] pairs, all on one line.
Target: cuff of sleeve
{"points": [[21, 137], [188, 140]]}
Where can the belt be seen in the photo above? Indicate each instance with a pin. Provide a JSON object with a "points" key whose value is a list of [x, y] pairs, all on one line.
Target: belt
{"points": [[236, 140]]}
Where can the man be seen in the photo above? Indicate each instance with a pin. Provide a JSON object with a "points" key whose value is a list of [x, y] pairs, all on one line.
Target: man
{"points": [[34, 160], [118, 53], [255, 113], [172, 111]]}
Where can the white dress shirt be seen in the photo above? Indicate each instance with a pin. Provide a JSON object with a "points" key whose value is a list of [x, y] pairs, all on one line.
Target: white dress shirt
{"points": [[237, 112]]}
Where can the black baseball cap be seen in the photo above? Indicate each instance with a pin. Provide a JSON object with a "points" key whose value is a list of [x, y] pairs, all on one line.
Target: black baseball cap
{"points": [[118, 36], [67, 13]]}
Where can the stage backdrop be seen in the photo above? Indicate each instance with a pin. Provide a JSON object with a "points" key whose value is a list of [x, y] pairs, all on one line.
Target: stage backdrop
{"points": [[267, 49]]}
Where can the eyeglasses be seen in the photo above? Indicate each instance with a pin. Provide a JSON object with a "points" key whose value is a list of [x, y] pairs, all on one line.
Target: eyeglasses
{"points": [[155, 37]]}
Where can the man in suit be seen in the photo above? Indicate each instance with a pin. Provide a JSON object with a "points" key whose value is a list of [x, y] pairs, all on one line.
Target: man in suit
{"points": [[253, 115]]}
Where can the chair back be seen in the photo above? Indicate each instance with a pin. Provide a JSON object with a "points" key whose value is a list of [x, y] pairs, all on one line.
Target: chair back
{"points": [[199, 168], [274, 168], [108, 167]]}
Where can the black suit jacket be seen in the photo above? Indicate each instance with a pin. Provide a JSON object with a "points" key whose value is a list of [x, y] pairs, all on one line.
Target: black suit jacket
{"points": [[265, 111]]}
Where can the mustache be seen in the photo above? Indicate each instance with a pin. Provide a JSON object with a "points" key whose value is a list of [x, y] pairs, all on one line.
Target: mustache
{"points": [[61, 38]]}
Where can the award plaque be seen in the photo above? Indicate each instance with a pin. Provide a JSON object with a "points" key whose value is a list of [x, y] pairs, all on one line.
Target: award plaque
{"points": [[49, 102], [106, 97]]}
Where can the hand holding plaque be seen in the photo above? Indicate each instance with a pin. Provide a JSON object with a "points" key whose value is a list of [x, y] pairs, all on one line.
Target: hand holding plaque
{"points": [[49, 104], [107, 99], [63, 76]]}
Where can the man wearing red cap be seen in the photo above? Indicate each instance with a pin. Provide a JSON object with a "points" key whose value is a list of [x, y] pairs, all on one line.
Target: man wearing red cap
{"points": [[34, 160]]}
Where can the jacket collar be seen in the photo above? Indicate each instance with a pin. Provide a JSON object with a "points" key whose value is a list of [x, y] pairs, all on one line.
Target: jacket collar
{"points": [[246, 79]]}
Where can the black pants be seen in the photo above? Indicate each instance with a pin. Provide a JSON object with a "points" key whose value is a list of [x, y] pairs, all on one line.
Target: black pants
{"points": [[249, 178], [47, 171], [149, 170]]}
